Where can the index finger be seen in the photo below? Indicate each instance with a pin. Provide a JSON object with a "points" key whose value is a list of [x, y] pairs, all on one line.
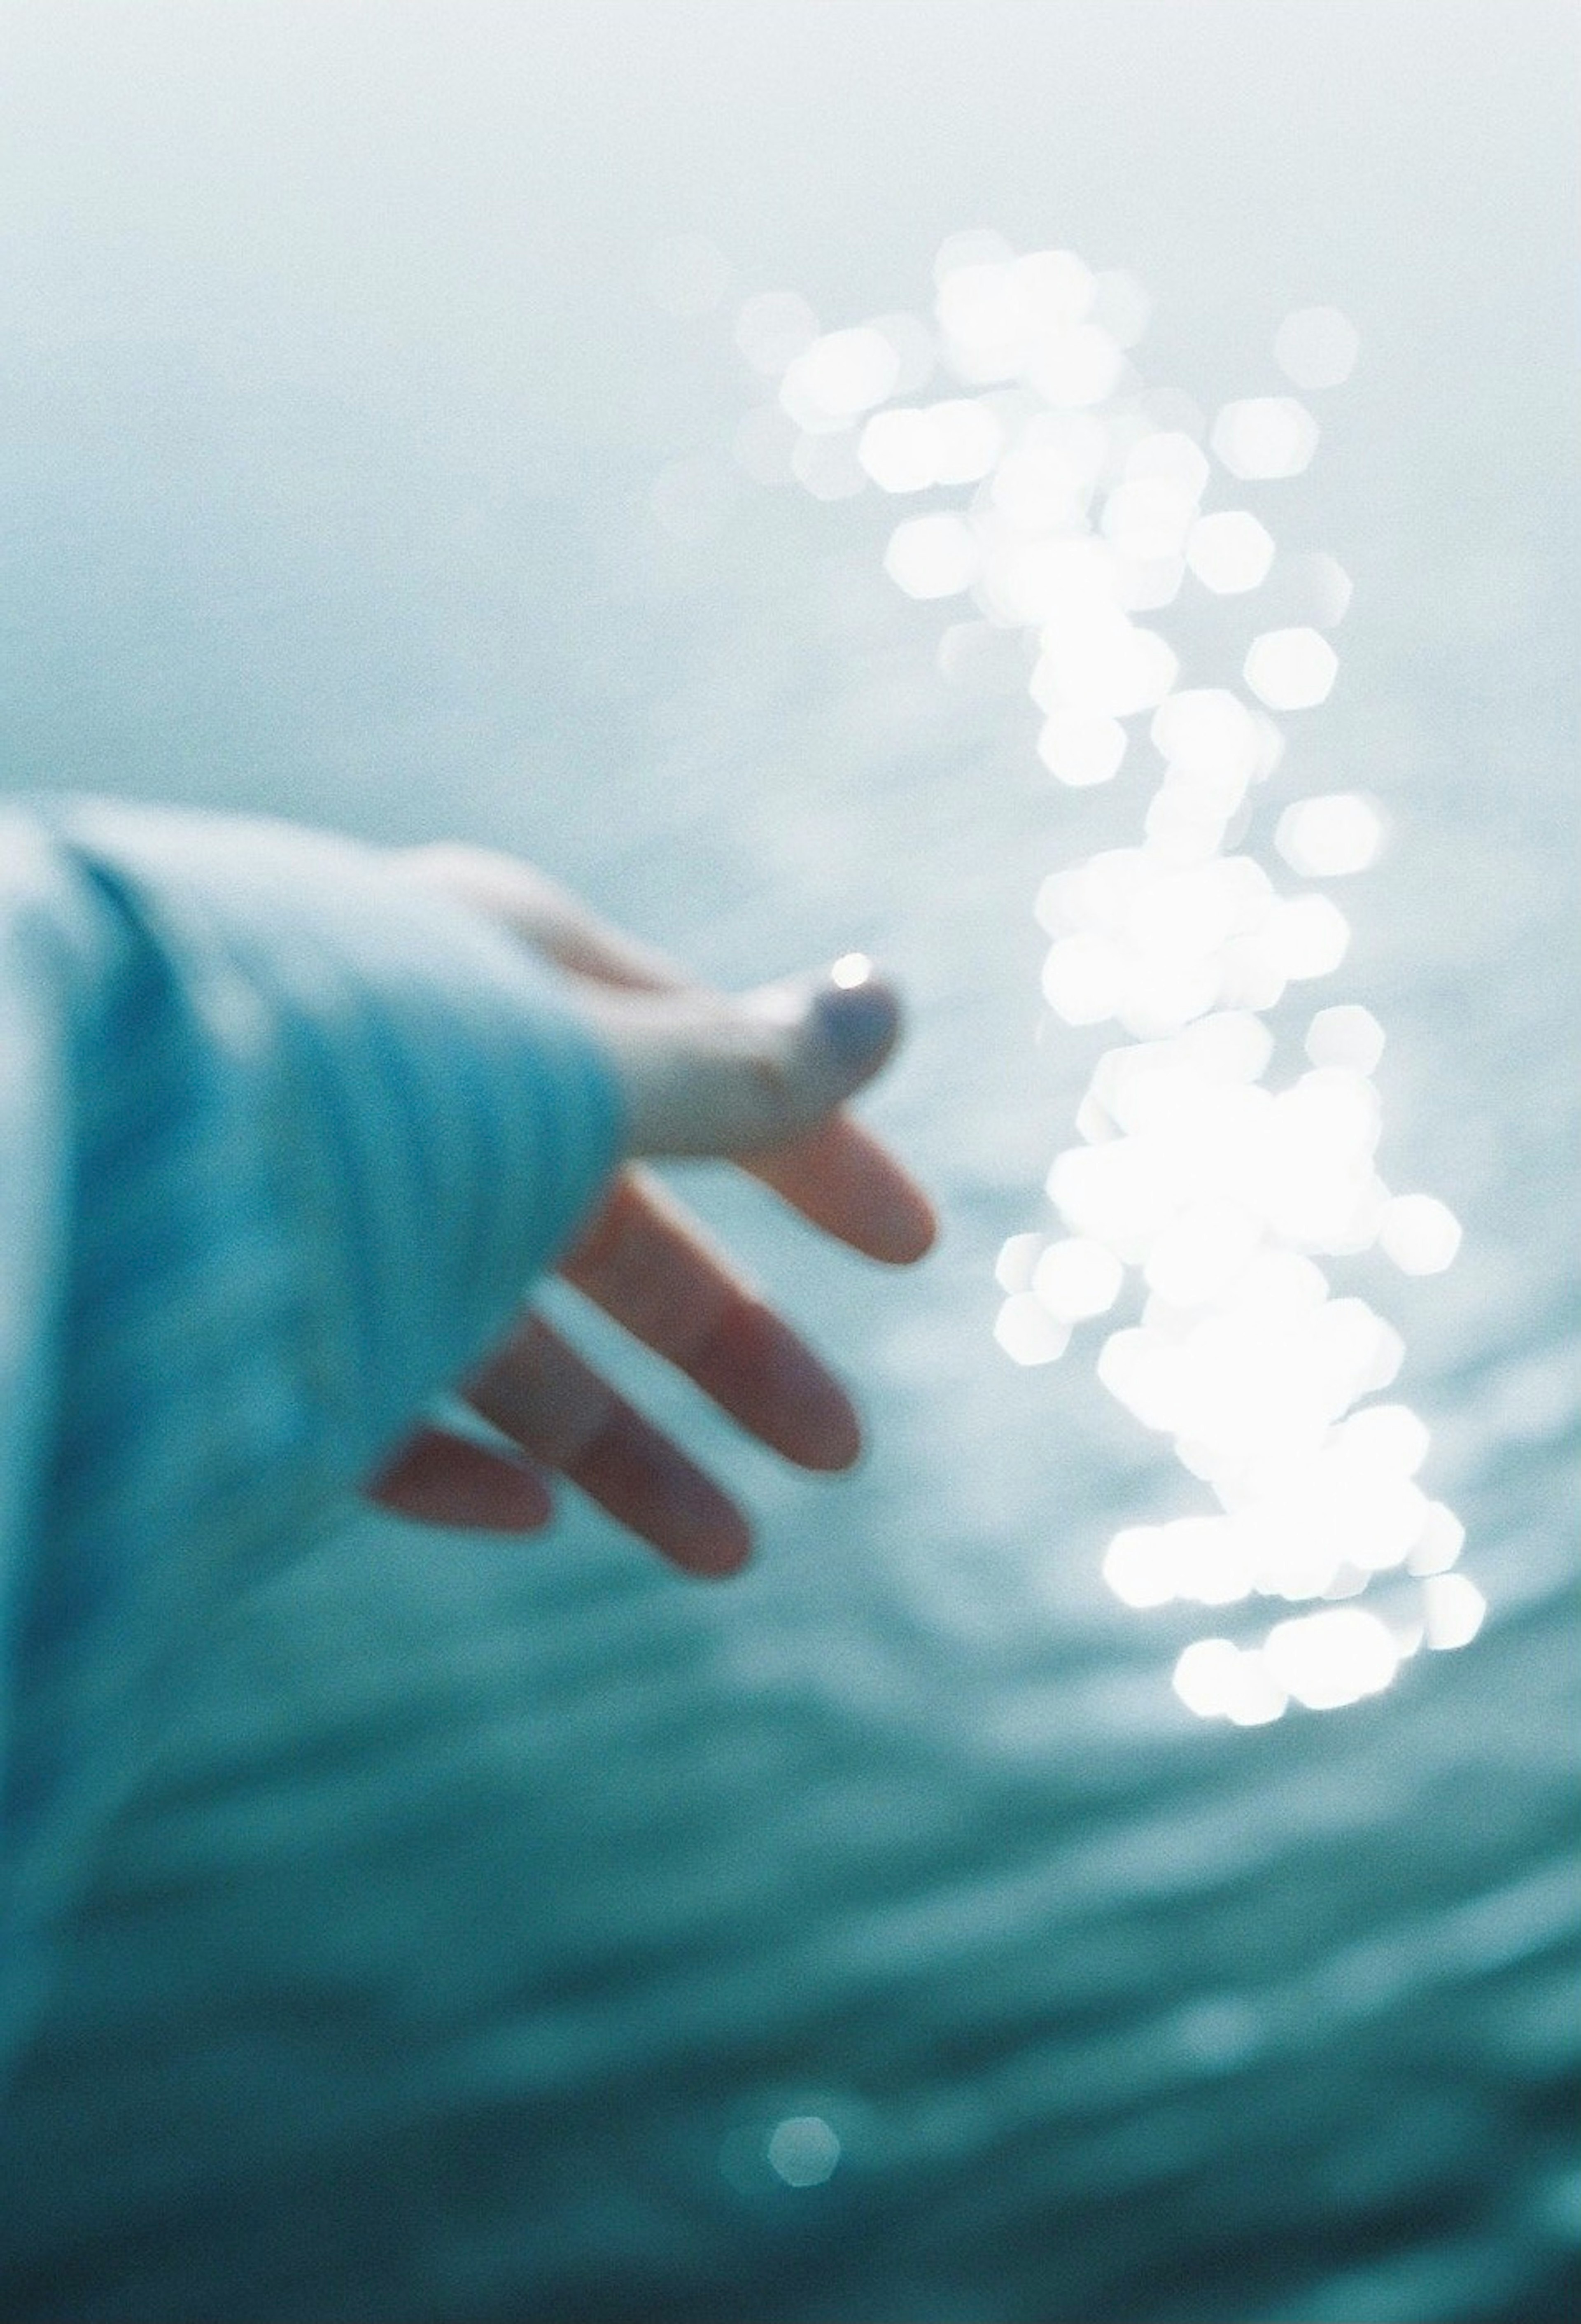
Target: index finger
{"points": [[841, 1178], [846, 1181]]}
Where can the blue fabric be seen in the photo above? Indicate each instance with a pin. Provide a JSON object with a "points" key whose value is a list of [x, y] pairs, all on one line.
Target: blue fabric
{"points": [[282, 1143]]}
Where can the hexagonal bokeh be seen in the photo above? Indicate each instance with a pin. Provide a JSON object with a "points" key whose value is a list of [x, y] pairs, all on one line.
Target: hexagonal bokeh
{"points": [[1230, 551], [1081, 747], [1265, 435], [838, 376], [1291, 669], [1317, 346], [1330, 836], [932, 555]]}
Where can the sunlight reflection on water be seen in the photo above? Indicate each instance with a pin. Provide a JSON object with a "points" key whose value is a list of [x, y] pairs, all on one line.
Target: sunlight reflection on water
{"points": [[1214, 1194]]}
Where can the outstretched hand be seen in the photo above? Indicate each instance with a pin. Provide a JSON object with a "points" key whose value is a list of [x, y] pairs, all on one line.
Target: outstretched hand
{"points": [[760, 1080]]}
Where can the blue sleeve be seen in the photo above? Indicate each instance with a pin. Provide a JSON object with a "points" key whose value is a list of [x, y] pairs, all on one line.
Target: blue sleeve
{"points": [[281, 1141]]}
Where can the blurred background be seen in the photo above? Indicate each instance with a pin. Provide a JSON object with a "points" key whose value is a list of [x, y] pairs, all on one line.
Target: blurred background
{"points": [[517, 1931]]}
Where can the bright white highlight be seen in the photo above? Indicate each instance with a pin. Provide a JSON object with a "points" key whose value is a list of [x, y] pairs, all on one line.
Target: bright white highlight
{"points": [[1420, 1234], [1017, 1257], [1454, 1608], [1216, 1681], [1265, 435], [908, 450], [1229, 552], [1217, 1182], [1081, 747], [1101, 662], [852, 969], [1075, 1278], [1440, 1544], [932, 555], [1347, 1035], [1328, 838], [838, 376], [1291, 669], [1325, 1660], [1028, 1332], [1304, 937], [1150, 516], [1209, 734]]}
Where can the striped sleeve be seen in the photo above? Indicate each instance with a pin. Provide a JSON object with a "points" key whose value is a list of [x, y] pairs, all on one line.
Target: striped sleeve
{"points": [[282, 1143]]}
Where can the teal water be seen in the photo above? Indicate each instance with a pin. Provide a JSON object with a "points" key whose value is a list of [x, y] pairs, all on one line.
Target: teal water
{"points": [[507, 1932]]}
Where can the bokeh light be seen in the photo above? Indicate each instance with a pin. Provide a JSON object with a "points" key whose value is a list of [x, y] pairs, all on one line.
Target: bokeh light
{"points": [[1018, 1255], [1081, 747], [1330, 837], [1264, 437], [1076, 1278], [1098, 660], [1329, 590], [916, 349], [1335, 1657], [1317, 346], [827, 466], [1212, 1193], [1346, 1034], [1420, 1234], [935, 556], [907, 450], [1149, 517], [1028, 1332], [1229, 552], [1207, 733], [838, 377], [1005, 319], [803, 2151], [1453, 1608], [1291, 669]]}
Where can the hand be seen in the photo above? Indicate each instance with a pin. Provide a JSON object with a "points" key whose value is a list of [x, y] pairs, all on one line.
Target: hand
{"points": [[758, 1080]]}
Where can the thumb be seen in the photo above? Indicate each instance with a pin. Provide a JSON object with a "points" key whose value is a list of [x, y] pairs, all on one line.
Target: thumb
{"points": [[705, 1076]]}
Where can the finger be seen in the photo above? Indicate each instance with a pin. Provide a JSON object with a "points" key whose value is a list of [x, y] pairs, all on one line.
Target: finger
{"points": [[517, 896], [843, 1179], [703, 1076], [646, 1262], [836, 1176], [558, 1410], [442, 1480]]}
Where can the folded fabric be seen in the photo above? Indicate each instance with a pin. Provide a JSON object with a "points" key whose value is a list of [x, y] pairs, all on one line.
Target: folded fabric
{"points": [[281, 1143]]}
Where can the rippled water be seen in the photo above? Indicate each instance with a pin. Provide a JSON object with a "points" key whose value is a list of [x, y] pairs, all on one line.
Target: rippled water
{"points": [[523, 1932]]}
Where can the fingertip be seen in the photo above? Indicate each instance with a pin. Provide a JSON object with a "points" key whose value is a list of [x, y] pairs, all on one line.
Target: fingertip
{"points": [[683, 1514], [767, 1375], [910, 1232], [714, 1556], [898, 1229], [835, 1446], [858, 1013]]}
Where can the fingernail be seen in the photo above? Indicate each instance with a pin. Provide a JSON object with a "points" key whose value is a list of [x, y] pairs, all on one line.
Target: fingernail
{"points": [[860, 1020]]}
